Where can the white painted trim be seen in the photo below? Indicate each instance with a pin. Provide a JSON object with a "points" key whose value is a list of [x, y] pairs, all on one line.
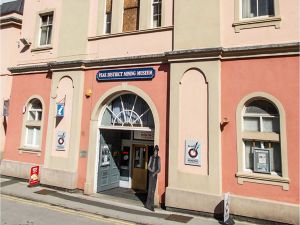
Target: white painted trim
{"points": [[97, 161], [125, 128]]}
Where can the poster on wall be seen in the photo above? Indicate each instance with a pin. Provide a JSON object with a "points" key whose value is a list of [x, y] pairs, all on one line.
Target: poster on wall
{"points": [[105, 154], [192, 153], [60, 109], [61, 140], [261, 160]]}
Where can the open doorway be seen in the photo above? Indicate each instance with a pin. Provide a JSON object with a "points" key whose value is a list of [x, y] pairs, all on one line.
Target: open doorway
{"points": [[125, 143], [123, 162]]}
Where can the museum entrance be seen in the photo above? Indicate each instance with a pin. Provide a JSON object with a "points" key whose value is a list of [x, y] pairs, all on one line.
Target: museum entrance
{"points": [[126, 140]]}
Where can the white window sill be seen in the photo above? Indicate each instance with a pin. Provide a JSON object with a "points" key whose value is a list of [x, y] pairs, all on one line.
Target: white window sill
{"points": [[29, 149], [42, 48], [256, 22], [269, 179]]}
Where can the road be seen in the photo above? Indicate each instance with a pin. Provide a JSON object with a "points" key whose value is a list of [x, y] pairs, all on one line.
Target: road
{"points": [[17, 211]]}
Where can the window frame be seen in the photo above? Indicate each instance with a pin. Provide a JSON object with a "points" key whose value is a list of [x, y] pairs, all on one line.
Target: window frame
{"points": [[41, 15], [152, 13], [105, 18], [245, 175], [24, 146], [255, 22]]}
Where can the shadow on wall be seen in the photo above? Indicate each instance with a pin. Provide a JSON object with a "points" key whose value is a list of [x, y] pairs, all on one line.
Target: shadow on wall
{"points": [[219, 210], [5, 124]]}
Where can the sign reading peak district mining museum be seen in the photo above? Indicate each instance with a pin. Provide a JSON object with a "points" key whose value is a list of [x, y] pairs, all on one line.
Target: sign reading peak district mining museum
{"points": [[126, 74]]}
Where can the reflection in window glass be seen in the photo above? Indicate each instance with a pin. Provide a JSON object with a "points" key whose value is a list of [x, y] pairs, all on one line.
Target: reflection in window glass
{"points": [[251, 124], [257, 8], [261, 118]]}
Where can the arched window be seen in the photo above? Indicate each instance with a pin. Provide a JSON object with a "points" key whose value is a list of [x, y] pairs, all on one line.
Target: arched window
{"points": [[261, 141], [261, 137], [33, 124], [128, 110]]}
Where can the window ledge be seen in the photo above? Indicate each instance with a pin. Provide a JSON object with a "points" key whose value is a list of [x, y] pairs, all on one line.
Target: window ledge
{"points": [[263, 179], [258, 22], [42, 48], [151, 30], [26, 149]]}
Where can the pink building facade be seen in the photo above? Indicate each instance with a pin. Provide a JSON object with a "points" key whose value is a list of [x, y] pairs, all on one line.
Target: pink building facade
{"points": [[90, 98]]}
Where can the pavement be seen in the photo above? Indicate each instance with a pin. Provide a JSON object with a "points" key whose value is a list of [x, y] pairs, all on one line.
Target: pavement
{"points": [[100, 204]]}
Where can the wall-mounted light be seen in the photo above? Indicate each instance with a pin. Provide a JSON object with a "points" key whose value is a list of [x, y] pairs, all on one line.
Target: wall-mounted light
{"points": [[88, 93]]}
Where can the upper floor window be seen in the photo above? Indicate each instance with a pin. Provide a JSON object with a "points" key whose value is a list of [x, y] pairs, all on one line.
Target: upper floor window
{"points": [[156, 12], [46, 26], [257, 8], [261, 137], [131, 15], [33, 124], [108, 10]]}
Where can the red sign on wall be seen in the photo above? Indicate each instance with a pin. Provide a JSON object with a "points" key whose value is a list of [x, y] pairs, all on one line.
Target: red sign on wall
{"points": [[34, 176]]}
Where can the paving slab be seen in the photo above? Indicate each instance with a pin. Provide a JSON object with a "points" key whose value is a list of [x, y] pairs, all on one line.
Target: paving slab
{"points": [[101, 204]]}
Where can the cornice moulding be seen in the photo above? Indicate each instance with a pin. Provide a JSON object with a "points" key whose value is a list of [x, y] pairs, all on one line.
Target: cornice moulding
{"points": [[219, 53]]}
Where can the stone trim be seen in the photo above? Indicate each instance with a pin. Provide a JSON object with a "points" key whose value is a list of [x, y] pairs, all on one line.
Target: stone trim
{"points": [[38, 49], [10, 21], [152, 30], [241, 175], [219, 53], [263, 179], [254, 23]]}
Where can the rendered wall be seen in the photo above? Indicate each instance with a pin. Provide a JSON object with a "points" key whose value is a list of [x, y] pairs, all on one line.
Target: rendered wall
{"points": [[196, 24], [278, 77], [192, 187], [31, 28], [24, 87], [9, 36], [288, 31], [156, 89]]}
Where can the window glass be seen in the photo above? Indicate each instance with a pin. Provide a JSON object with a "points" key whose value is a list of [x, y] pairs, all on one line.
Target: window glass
{"points": [[46, 29], [261, 116], [256, 8], [270, 125], [277, 157], [29, 140], [33, 123], [156, 13], [128, 110], [261, 107], [37, 136], [139, 157], [251, 124], [107, 19], [43, 36]]}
